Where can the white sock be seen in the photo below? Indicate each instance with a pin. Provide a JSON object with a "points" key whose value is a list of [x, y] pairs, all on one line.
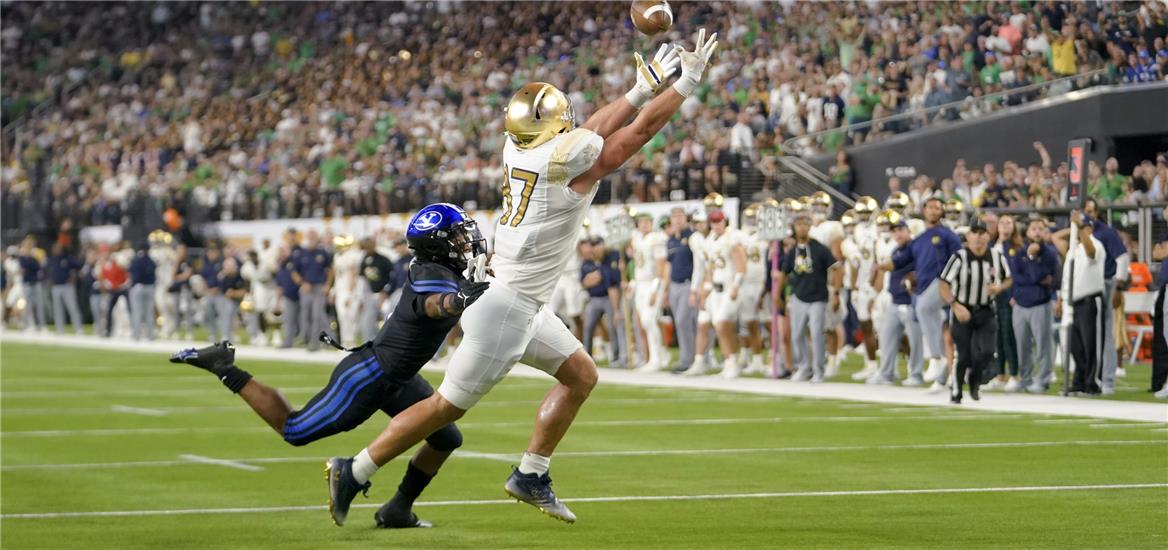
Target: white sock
{"points": [[363, 466], [534, 464]]}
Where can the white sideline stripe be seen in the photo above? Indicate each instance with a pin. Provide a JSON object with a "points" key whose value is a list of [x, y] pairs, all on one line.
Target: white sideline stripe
{"points": [[138, 410], [220, 462], [527, 424], [1143, 425], [1050, 405], [33, 411], [645, 498], [500, 457], [506, 457], [1064, 421]]}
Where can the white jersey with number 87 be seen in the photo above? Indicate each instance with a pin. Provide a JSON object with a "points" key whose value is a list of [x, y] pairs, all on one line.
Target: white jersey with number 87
{"points": [[540, 225]]}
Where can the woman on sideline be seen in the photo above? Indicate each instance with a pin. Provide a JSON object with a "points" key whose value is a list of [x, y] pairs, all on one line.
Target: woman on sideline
{"points": [[1009, 243]]}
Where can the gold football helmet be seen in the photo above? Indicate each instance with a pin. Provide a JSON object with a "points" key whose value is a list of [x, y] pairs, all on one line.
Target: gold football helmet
{"points": [[821, 198], [750, 211], [848, 217], [898, 201], [342, 242], [537, 113], [888, 217], [713, 200], [866, 205]]}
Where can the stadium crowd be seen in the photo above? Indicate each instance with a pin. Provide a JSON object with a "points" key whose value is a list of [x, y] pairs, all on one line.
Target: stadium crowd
{"points": [[277, 110]]}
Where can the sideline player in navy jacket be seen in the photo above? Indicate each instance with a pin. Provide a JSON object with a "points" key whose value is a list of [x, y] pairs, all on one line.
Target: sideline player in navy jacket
{"points": [[1035, 281], [382, 374]]}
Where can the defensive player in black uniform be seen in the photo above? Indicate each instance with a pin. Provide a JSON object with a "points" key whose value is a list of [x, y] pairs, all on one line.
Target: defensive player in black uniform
{"points": [[382, 374]]}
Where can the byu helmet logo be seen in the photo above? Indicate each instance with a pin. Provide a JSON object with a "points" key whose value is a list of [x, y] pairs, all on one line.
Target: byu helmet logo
{"points": [[428, 221]]}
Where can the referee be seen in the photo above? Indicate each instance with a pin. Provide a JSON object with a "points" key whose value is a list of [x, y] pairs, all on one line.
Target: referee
{"points": [[971, 279], [1083, 288]]}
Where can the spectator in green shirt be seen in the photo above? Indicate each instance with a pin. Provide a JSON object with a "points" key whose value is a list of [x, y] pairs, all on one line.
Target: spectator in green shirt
{"points": [[1109, 186]]}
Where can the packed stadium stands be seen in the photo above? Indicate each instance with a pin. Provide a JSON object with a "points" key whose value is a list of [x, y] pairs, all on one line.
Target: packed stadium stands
{"points": [[257, 110]]}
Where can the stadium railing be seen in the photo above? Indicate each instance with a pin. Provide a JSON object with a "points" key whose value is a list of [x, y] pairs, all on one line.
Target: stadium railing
{"points": [[811, 144]]}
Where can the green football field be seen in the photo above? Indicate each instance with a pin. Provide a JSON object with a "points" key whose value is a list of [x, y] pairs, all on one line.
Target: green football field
{"points": [[124, 450]]}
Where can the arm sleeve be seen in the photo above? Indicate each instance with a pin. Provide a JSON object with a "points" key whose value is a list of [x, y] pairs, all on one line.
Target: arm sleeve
{"points": [[787, 261], [1123, 267], [827, 257], [425, 278], [575, 154], [952, 267]]}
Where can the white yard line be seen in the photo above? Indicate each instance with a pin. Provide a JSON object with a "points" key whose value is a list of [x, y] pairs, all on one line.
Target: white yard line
{"points": [[200, 459], [1064, 421], [644, 498], [995, 402], [527, 424], [508, 457], [1121, 426], [137, 410]]}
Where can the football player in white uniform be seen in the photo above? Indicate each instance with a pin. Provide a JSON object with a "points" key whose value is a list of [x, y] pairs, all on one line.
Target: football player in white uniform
{"points": [[162, 252], [750, 305], [859, 250], [700, 285], [830, 233], [551, 173], [727, 273], [648, 266], [351, 290]]}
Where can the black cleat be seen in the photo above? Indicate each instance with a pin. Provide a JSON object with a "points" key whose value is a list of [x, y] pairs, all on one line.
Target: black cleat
{"points": [[391, 517], [955, 400], [342, 487], [974, 393], [214, 358], [536, 490]]}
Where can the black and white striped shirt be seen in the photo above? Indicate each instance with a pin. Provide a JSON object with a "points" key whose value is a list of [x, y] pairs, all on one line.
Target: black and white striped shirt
{"points": [[970, 276]]}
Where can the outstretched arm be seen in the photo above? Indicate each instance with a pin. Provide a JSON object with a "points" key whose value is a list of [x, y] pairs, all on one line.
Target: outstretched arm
{"points": [[649, 79], [610, 117], [628, 140]]}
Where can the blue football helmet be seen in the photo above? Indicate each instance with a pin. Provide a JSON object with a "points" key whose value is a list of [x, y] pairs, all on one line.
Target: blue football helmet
{"points": [[443, 233]]}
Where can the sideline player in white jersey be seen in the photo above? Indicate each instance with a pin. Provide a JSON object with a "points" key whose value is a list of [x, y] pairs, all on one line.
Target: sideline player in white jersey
{"points": [[751, 312], [829, 233], [164, 256], [648, 266], [699, 242], [351, 290], [551, 173], [859, 250], [727, 272]]}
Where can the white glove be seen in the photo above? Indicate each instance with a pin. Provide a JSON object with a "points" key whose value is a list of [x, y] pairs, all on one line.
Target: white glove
{"points": [[651, 76], [693, 64], [476, 269]]}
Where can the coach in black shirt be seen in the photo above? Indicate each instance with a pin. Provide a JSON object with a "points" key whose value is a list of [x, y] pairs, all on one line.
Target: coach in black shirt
{"points": [[807, 266], [971, 279]]}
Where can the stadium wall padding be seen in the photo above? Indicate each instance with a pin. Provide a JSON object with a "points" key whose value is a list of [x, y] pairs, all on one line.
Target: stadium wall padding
{"points": [[1102, 114]]}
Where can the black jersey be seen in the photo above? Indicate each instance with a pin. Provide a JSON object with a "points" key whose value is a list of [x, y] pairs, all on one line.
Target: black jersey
{"points": [[408, 338]]}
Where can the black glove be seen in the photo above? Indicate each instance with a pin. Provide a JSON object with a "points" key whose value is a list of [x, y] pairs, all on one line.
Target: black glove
{"points": [[468, 292]]}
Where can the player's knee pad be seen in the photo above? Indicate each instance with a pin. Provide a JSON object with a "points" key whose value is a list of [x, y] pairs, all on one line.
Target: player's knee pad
{"points": [[446, 439]]}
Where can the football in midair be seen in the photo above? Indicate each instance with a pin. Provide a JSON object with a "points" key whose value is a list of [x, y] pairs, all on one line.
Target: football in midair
{"points": [[651, 16]]}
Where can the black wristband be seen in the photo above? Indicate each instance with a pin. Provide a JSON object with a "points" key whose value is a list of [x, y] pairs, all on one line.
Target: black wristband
{"points": [[235, 378]]}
